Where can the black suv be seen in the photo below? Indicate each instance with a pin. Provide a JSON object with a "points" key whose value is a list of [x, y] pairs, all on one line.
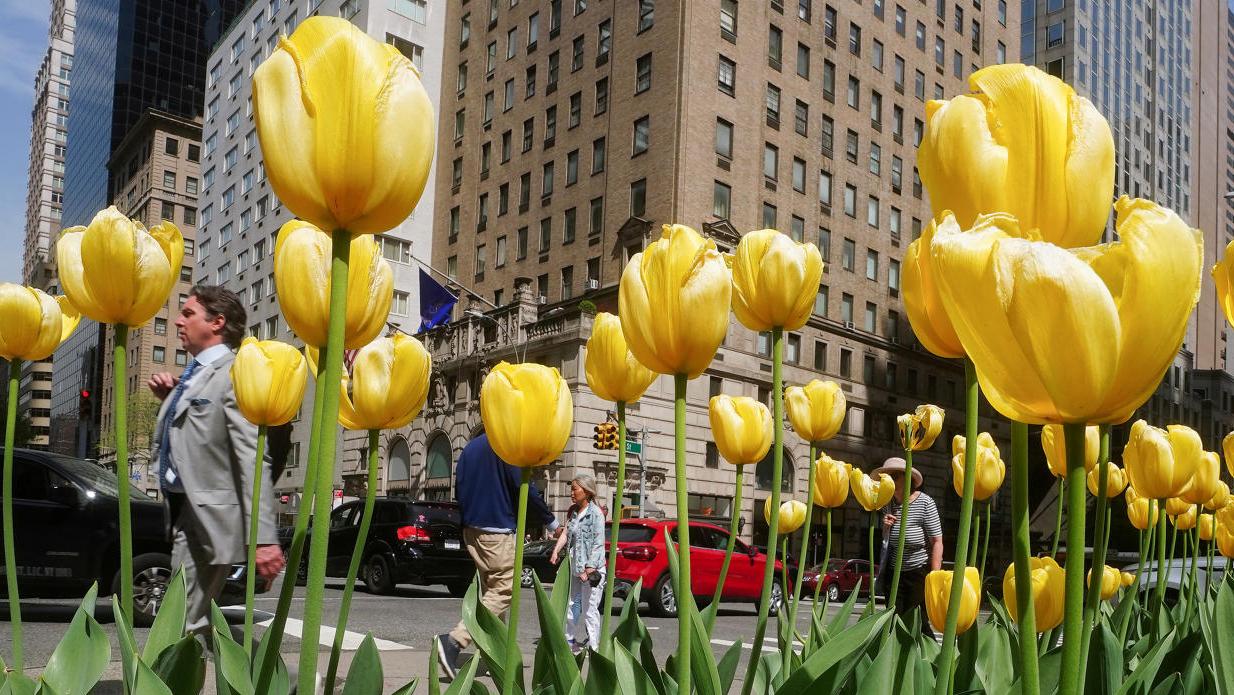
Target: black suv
{"points": [[66, 533], [409, 542]]}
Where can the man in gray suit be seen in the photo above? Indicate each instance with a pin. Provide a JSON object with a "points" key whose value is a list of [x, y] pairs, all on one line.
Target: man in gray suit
{"points": [[206, 451]]}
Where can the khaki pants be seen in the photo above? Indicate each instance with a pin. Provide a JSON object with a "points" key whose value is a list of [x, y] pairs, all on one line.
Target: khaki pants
{"points": [[494, 557]]}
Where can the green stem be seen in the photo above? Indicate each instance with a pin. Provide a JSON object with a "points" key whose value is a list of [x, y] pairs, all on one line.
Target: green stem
{"points": [[122, 467], [943, 683], [777, 470], [1073, 604], [1027, 620], [684, 586], [871, 604], [1097, 567], [250, 588], [784, 574], [329, 394], [1150, 551], [606, 639], [357, 552], [512, 646], [1058, 519], [985, 541], [895, 577], [1193, 535], [728, 553], [1134, 589], [805, 544], [10, 557], [974, 546], [826, 560]]}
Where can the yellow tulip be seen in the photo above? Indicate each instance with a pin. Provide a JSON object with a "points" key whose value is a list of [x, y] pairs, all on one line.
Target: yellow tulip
{"points": [[388, 385], [612, 371], [1205, 527], [115, 271], [1127, 578], [1055, 448], [775, 280], [1204, 482], [1048, 582], [302, 256], [674, 302], [816, 409], [1184, 521], [831, 481], [1224, 537], [1225, 515], [346, 128], [1220, 498], [1026, 144], [1176, 505], [919, 429], [792, 515], [1142, 512], [938, 598], [35, 323], [990, 466], [1227, 446], [741, 428], [922, 301], [1161, 463], [1111, 581], [871, 493], [1121, 309], [1115, 480], [269, 378], [1224, 280], [527, 413]]}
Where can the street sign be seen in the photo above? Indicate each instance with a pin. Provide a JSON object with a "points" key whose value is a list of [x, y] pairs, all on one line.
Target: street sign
{"points": [[634, 448]]}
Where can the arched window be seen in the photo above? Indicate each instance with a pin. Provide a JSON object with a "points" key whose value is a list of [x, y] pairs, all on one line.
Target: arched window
{"points": [[400, 463], [762, 473], [440, 458]]}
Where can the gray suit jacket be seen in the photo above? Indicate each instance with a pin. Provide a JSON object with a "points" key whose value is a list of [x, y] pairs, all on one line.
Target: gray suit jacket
{"points": [[215, 449]]}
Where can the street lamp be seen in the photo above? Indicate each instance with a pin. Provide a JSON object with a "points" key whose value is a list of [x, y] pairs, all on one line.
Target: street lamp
{"points": [[485, 317]]}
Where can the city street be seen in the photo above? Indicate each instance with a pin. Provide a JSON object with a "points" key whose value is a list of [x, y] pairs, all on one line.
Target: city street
{"points": [[402, 624]]}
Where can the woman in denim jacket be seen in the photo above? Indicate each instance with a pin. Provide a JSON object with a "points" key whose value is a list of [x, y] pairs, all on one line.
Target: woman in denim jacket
{"points": [[585, 536]]}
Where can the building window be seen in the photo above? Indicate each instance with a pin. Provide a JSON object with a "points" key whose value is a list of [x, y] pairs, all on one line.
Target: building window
{"points": [[576, 57], [638, 198], [803, 61], [601, 95], [849, 255], [576, 109], [769, 216], [646, 14], [642, 81], [771, 160], [720, 200], [801, 118], [724, 138], [546, 234], [871, 264], [728, 76], [606, 41], [820, 301], [569, 226], [773, 103], [597, 216], [728, 19], [642, 128], [775, 47], [850, 200]]}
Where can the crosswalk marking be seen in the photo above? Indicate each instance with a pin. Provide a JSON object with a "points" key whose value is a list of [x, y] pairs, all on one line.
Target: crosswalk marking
{"points": [[351, 640]]}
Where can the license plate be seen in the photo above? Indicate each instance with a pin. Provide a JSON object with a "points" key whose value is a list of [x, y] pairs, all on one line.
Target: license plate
{"points": [[451, 544]]}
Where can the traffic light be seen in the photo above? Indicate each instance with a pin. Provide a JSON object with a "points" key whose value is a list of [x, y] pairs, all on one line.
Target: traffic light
{"points": [[599, 438], [610, 436], [84, 405]]}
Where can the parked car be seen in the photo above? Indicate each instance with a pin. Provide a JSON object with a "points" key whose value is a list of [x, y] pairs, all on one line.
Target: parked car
{"points": [[66, 535], [536, 562], [838, 578], [641, 554], [1178, 575], [409, 542]]}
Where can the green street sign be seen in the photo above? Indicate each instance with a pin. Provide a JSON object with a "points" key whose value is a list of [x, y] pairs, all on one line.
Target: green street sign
{"points": [[634, 448]]}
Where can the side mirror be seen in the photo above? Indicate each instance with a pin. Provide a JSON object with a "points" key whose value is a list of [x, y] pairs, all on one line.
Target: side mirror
{"points": [[65, 495]]}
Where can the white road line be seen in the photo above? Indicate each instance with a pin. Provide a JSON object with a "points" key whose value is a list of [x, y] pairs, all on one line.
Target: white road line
{"points": [[769, 644], [351, 640]]}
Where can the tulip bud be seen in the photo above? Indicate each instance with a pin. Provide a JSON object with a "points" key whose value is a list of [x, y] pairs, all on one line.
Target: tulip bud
{"points": [[388, 386], [346, 127], [816, 410], [116, 272], [1055, 448], [268, 378], [35, 323], [869, 492], [1127, 578], [527, 413], [1184, 521], [1115, 481], [775, 280], [741, 428], [1203, 484], [674, 302], [612, 371], [1205, 527], [302, 258], [831, 481], [1142, 512], [1160, 464], [1227, 446], [990, 466], [1175, 506], [938, 598], [1048, 582], [919, 429], [792, 516], [1220, 498], [1111, 580]]}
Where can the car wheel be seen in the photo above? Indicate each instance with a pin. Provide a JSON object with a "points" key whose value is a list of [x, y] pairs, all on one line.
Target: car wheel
{"points": [[663, 601], [529, 577], [377, 576], [151, 575], [777, 597], [458, 589], [833, 592]]}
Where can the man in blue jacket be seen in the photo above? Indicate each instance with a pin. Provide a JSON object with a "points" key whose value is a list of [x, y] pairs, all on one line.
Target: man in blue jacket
{"points": [[487, 490]]}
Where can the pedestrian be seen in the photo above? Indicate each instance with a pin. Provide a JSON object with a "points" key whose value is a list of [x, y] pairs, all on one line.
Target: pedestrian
{"points": [[585, 537], [487, 490], [206, 456], [923, 541]]}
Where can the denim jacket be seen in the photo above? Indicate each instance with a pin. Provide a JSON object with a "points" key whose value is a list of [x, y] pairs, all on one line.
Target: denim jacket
{"points": [[585, 539]]}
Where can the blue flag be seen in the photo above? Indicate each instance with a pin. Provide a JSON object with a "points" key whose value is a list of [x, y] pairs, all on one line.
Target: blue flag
{"points": [[436, 302]]}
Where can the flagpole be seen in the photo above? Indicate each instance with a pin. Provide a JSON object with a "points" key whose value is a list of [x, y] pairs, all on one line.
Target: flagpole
{"points": [[447, 278]]}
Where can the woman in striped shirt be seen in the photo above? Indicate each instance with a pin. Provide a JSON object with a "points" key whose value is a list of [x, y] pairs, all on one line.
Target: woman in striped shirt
{"points": [[923, 540]]}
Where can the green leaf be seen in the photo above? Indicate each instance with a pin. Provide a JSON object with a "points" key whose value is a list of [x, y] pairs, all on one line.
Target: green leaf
{"points": [[966, 660], [766, 672], [434, 681], [488, 632], [82, 655], [409, 688], [182, 667], [128, 643], [827, 669], [1104, 673], [1172, 685], [1218, 629], [280, 683], [1145, 673], [706, 680], [463, 684], [995, 661], [840, 620], [601, 675], [894, 663], [168, 625], [231, 664], [364, 677], [18, 684], [147, 681], [557, 666], [727, 667], [631, 679]]}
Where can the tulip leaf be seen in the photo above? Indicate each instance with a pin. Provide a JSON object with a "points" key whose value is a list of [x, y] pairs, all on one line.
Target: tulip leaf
{"points": [[766, 671], [601, 675], [894, 663], [995, 657], [840, 620], [488, 632], [231, 663], [364, 676], [462, 684], [557, 667], [1105, 661], [147, 682], [1181, 659], [128, 643], [827, 669], [1218, 629], [1172, 685], [631, 678], [18, 684], [168, 625], [702, 660], [433, 681], [182, 667], [1145, 673], [727, 666], [409, 688], [82, 655]]}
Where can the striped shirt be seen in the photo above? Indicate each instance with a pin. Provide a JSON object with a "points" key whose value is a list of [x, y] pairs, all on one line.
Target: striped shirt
{"points": [[923, 523]]}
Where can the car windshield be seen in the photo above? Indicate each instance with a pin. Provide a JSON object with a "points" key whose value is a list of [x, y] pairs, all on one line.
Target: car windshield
{"points": [[94, 476], [434, 512], [833, 566]]}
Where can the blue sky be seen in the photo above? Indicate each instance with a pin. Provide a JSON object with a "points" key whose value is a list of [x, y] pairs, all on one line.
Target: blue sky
{"points": [[23, 40]]}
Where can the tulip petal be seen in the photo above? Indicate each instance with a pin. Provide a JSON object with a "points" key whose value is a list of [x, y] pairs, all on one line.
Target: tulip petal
{"points": [[960, 161], [922, 301]]}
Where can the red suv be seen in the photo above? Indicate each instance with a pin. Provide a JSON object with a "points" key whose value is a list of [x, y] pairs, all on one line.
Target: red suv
{"points": [[840, 577], [642, 555]]}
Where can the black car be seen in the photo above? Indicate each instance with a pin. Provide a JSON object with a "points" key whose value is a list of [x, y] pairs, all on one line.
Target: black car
{"points": [[66, 533], [537, 562], [409, 542]]}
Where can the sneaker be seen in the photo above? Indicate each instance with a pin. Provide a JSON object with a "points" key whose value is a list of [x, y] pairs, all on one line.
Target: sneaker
{"points": [[447, 654]]}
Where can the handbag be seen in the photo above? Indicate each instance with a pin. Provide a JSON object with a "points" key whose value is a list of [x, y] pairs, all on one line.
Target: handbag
{"points": [[594, 578]]}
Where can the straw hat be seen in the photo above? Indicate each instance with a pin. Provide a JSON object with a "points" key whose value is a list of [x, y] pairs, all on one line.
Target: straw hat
{"points": [[895, 464]]}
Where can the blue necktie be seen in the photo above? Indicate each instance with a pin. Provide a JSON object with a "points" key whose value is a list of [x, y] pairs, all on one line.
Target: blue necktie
{"points": [[168, 479]]}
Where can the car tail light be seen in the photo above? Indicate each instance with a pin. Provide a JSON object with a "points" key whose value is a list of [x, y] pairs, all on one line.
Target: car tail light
{"points": [[413, 533], [645, 553]]}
